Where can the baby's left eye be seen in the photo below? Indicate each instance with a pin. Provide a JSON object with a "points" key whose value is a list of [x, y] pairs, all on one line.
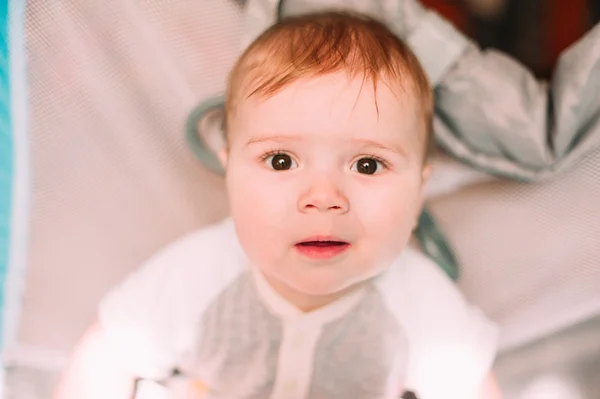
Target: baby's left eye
{"points": [[368, 166]]}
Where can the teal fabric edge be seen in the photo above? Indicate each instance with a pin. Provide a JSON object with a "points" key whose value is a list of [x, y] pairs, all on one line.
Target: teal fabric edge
{"points": [[6, 157], [193, 139], [435, 245], [427, 233]]}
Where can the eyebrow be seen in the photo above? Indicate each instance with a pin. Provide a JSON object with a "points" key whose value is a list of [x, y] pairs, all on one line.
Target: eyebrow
{"points": [[280, 139], [376, 144], [362, 142]]}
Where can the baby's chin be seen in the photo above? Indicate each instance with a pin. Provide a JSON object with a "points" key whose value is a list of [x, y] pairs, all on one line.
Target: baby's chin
{"points": [[326, 285]]}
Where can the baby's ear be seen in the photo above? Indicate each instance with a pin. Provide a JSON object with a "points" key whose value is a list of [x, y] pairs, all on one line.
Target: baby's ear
{"points": [[205, 133], [212, 130], [425, 173], [222, 155]]}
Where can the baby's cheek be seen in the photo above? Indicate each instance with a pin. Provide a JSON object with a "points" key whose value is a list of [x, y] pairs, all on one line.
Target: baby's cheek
{"points": [[252, 205], [391, 235], [256, 238]]}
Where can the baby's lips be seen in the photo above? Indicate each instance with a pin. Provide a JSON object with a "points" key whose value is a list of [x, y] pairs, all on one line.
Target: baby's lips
{"points": [[322, 243], [323, 240]]}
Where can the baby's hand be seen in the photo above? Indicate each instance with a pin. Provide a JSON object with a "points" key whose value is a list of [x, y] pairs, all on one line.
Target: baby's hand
{"points": [[196, 390], [186, 388]]}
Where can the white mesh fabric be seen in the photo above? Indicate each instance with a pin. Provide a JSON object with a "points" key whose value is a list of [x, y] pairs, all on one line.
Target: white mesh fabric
{"points": [[529, 253], [111, 84]]}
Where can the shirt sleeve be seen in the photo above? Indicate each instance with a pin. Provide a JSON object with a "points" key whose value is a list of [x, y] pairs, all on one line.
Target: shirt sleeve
{"points": [[150, 319], [452, 345]]}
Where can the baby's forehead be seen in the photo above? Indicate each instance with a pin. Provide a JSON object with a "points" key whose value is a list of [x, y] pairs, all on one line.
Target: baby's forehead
{"points": [[330, 109], [335, 95]]}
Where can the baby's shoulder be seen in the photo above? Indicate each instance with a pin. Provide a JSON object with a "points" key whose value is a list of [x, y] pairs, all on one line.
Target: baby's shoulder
{"points": [[442, 328], [193, 269], [152, 316], [208, 259], [426, 301], [211, 251], [415, 276]]}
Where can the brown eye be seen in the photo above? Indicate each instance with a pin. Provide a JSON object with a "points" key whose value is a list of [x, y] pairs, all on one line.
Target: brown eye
{"points": [[281, 162], [367, 166]]}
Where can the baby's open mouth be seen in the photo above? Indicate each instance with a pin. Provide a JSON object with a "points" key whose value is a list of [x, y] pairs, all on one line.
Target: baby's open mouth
{"points": [[322, 248], [322, 243]]}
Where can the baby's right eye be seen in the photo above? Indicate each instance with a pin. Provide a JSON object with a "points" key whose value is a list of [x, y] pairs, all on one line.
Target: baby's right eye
{"points": [[280, 161]]}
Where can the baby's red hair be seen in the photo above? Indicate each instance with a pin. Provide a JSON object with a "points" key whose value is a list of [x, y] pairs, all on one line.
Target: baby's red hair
{"points": [[313, 45]]}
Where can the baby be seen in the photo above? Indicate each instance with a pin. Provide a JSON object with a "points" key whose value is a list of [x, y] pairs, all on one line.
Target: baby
{"points": [[310, 290]]}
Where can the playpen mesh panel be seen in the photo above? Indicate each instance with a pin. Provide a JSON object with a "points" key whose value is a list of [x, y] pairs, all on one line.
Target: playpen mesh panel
{"points": [[530, 253], [111, 83]]}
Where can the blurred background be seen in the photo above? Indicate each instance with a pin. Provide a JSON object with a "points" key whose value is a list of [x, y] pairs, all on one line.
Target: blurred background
{"points": [[532, 31]]}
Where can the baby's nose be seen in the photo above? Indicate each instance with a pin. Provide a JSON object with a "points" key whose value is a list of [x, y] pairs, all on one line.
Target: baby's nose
{"points": [[323, 197]]}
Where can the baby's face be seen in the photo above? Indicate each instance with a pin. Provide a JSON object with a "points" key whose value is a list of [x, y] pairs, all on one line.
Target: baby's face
{"points": [[324, 188]]}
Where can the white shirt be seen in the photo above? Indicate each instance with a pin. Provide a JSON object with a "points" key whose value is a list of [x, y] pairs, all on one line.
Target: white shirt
{"points": [[199, 308]]}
